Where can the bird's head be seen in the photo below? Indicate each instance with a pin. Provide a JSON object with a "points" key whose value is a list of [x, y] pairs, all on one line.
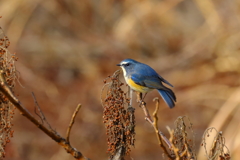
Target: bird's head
{"points": [[127, 65]]}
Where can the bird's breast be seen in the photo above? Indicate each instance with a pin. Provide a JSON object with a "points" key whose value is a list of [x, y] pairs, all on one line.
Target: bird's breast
{"points": [[136, 86]]}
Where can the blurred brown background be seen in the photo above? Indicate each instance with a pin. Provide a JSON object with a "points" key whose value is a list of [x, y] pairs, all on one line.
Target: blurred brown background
{"points": [[66, 49]]}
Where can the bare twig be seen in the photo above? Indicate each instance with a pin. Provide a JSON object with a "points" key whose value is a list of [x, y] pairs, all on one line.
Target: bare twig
{"points": [[37, 107], [155, 122], [72, 122], [160, 136], [35, 111], [54, 135], [42, 116], [146, 112]]}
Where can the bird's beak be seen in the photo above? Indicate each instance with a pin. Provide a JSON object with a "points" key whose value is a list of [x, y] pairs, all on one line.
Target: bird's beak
{"points": [[119, 65]]}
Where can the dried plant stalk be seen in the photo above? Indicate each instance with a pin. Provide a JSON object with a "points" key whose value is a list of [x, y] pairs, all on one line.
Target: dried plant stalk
{"points": [[6, 108], [184, 138], [118, 117], [218, 149]]}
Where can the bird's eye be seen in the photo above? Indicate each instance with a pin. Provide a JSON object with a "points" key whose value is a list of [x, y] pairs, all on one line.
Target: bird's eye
{"points": [[127, 64]]}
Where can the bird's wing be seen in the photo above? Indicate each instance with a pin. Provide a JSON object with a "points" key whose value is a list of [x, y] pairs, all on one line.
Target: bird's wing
{"points": [[153, 76], [138, 79], [151, 82], [165, 81]]}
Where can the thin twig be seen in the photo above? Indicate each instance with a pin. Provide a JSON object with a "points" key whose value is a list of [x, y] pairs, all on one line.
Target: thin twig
{"points": [[54, 135], [72, 121], [146, 112], [161, 137], [35, 111], [159, 134], [42, 116]]}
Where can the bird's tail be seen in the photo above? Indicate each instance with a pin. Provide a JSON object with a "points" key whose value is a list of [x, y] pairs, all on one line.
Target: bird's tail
{"points": [[168, 96]]}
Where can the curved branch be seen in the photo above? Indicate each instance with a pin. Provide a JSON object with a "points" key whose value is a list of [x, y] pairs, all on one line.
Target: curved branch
{"points": [[72, 122], [160, 136], [53, 134]]}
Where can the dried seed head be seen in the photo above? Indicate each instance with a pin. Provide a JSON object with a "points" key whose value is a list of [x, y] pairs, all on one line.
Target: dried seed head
{"points": [[118, 117], [6, 108]]}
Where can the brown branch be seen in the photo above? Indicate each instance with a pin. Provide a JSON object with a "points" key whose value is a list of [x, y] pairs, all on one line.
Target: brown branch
{"points": [[160, 136], [54, 135], [72, 122], [146, 112]]}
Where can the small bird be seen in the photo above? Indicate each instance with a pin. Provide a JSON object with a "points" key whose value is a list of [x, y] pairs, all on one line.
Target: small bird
{"points": [[142, 78]]}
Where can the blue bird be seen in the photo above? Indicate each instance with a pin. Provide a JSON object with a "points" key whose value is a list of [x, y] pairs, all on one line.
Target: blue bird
{"points": [[142, 78]]}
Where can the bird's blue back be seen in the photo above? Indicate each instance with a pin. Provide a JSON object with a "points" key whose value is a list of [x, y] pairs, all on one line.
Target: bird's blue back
{"points": [[146, 76]]}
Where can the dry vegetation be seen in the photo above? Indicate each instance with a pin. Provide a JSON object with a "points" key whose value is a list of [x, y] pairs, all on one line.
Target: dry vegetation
{"points": [[119, 120], [67, 48], [7, 66]]}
